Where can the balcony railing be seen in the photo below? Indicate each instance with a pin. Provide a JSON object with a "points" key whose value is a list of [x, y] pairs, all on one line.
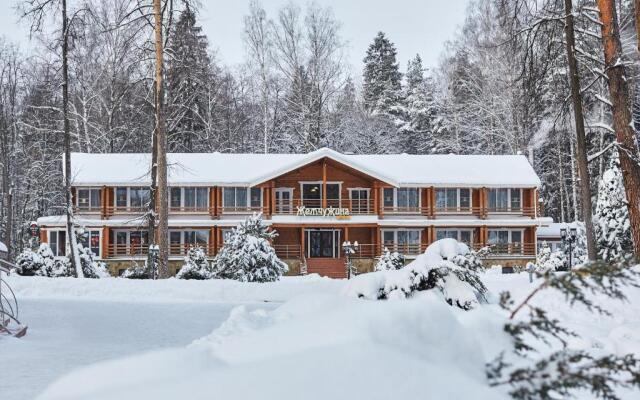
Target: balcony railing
{"points": [[126, 209], [405, 210], [508, 249], [528, 211], [457, 210], [87, 209], [288, 251], [139, 250], [240, 209], [355, 207], [190, 210]]}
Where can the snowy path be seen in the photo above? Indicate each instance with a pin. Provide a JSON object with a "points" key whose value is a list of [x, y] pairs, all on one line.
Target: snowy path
{"points": [[67, 334]]}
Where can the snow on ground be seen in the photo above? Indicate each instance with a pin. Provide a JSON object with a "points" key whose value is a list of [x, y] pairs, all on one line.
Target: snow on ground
{"points": [[312, 343]]}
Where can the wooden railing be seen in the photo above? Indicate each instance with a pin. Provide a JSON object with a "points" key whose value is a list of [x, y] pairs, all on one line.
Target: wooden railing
{"points": [[458, 210], [110, 210], [87, 209], [190, 210], [240, 209], [405, 210], [355, 207], [139, 250], [508, 249], [288, 251], [528, 211]]}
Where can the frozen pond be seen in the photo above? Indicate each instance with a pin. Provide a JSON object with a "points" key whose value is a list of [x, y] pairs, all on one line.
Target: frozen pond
{"points": [[67, 334]]}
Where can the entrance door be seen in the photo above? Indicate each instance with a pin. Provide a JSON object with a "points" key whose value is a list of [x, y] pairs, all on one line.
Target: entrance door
{"points": [[323, 243]]}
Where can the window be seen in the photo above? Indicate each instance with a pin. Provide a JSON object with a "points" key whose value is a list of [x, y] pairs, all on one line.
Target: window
{"points": [[404, 199], [237, 197], [461, 235], [505, 240], [505, 200], [452, 199], [133, 197], [516, 200], [312, 194], [91, 240], [58, 243], [359, 200], [181, 241], [284, 200], [189, 198], [131, 242], [89, 199], [406, 241]]}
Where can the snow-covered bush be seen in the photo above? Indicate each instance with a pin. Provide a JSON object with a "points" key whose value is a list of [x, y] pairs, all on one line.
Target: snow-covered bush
{"points": [[42, 263], [195, 265], [435, 269], [611, 219], [549, 260], [90, 266], [135, 271], [248, 255], [390, 261]]}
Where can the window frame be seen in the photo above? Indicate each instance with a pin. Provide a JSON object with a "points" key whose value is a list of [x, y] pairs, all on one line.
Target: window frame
{"points": [[458, 233], [367, 207], [320, 183], [55, 250], [91, 191], [396, 243], [182, 207], [280, 207], [458, 208], [99, 233], [128, 206], [402, 209], [511, 245], [509, 209], [183, 243]]}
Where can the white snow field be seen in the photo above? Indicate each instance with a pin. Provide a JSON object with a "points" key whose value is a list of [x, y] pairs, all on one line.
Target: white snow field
{"points": [[309, 340]]}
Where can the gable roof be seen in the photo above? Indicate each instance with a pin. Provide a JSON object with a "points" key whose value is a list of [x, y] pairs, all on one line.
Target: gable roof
{"points": [[228, 169]]}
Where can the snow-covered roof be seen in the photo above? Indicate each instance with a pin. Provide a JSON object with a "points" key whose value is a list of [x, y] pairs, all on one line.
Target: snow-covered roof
{"points": [[3, 248], [211, 169], [553, 229]]}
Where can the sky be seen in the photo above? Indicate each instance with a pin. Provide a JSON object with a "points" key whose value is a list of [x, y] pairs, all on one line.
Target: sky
{"points": [[415, 26]]}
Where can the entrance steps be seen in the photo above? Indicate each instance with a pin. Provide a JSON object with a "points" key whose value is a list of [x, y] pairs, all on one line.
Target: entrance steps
{"points": [[330, 267]]}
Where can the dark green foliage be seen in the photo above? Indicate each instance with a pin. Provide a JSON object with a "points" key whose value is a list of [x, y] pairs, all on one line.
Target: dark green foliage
{"points": [[561, 373]]}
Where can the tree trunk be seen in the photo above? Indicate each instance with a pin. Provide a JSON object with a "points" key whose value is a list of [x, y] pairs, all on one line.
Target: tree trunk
{"points": [[161, 144], [71, 233], [622, 121], [581, 145]]}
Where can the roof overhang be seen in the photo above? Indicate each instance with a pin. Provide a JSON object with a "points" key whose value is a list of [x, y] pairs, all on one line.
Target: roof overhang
{"points": [[318, 155]]}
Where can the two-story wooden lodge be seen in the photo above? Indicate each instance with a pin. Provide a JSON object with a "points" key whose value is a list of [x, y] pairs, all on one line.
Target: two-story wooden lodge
{"points": [[315, 201]]}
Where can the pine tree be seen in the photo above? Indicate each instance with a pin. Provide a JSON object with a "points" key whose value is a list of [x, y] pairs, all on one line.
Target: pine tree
{"points": [[381, 86], [611, 220], [248, 256], [189, 72], [419, 108], [195, 265], [390, 261]]}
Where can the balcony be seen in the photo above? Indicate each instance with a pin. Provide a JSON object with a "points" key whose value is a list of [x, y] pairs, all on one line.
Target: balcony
{"points": [[140, 250], [505, 250], [355, 207]]}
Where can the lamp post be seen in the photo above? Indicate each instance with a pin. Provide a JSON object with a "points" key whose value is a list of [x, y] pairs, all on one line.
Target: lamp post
{"points": [[568, 240], [154, 251], [349, 248]]}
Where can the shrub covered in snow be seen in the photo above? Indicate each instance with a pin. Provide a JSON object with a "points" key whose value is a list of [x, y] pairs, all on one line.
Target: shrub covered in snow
{"points": [[611, 219], [390, 261], [195, 265], [42, 263], [137, 271], [91, 267], [248, 255], [549, 260], [435, 269]]}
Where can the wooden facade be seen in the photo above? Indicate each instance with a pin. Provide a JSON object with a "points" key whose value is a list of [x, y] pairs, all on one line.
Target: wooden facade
{"points": [[374, 221]]}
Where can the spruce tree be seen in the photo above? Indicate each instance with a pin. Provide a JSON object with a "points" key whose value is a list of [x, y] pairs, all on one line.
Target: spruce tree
{"points": [[382, 78], [419, 108], [189, 72], [611, 220]]}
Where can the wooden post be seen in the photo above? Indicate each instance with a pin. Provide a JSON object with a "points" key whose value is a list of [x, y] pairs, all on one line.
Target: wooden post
{"points": [[380, 202], [218, 201], [302, 244], [43, 235], [213, 245], [324, 183], [103, 202], [375, 196], [212, 202], [105, 242]]}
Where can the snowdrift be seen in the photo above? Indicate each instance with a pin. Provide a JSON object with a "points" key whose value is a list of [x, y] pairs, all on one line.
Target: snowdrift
{"points": [[313, 347]]}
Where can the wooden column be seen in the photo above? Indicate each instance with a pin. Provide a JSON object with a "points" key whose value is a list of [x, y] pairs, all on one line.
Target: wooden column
{"points": [[483, 203], [213, 247], [218, 201], [212, 201], [378, 240], [43, 235], [376, 193], [433, 202], [302, 244], [346, 233], [105, 242], [380, 202], [103, 202], [272, 193], [324, 183]]}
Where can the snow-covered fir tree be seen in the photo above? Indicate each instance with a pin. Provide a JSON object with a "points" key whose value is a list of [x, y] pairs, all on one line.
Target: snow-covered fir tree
{"points": [[247, 254], [419, 109], [611, 219], [91, 267], [31, 262], [549, 260], [196, 265], [389, 261], [381, 85]]}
